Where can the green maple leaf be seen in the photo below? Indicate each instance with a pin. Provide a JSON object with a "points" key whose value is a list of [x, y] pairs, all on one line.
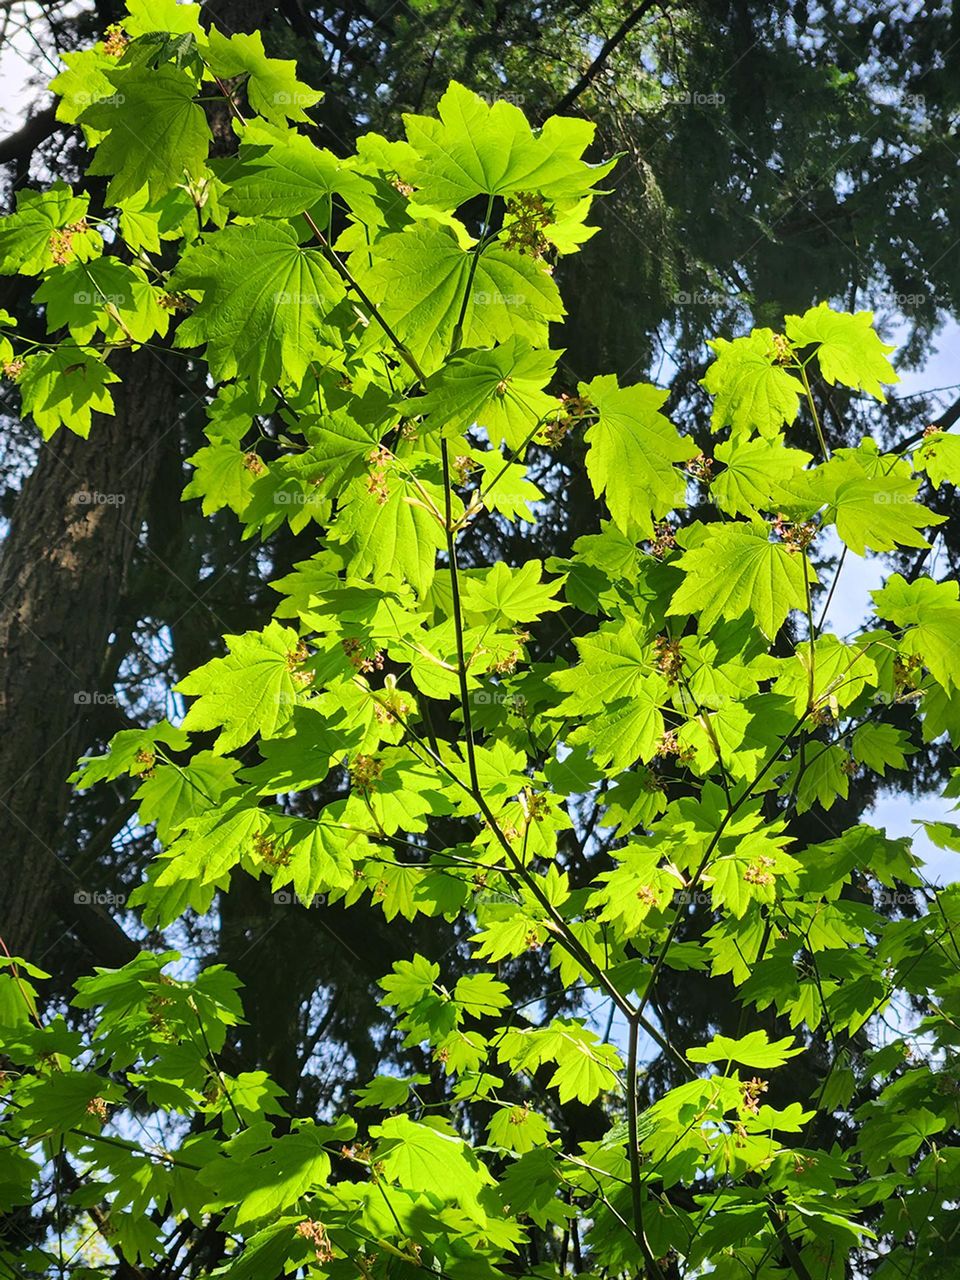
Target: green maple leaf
{"points": [[615, 683], [532, 1185], [6, 346], [941, 714], [713, 682], [418, 279], [939, 457], [881, 514], [821, 779], [411, 982], [509, 491], [751, 1050], [261, 1174], [632, 803], [171, 795], [272, 86], [585, 1065], [319, 855], [500, 390], [512, 595], [29, 243], [634, 888], [629, 730], [84, 82], [140, 223], [267, 1252], [849, 349], [770, 720], [303, 757], [632, 449], [518, 1129], [758, 475], [389, 1093], [396, 537], [929, 613], [476, 148], [837, 673], [428, 1157], [340, 444], [57, 1103], [145, 16], [221, 478], [264, 297], [613, 664], [146, 223], [64, 387], [481, 995], [511, 937], [280, 174], [753, 393], [212, 843], [880, 745], [252, 690], [713, 734], [104, 295], [406, 792], [394, 889], [736, 570], [156, 135], [729, 889], [126, 753], [945, 835]]}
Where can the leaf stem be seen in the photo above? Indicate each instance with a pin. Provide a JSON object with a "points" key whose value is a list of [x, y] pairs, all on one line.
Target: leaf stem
{"points": [[813, 410]]}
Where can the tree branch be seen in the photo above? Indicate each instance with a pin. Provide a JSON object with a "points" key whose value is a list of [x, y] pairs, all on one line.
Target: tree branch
{"points": [[19, 146], [597, 65]]}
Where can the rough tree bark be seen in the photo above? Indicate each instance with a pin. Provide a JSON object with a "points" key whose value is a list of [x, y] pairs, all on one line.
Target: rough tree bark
{"points": [[62, 573]]}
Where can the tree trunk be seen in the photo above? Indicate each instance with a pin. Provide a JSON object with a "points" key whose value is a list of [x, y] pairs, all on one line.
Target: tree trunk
{"points": [[62, 573]]}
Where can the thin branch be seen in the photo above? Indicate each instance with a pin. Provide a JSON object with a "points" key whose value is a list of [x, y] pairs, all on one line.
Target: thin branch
{"points": [[18, 147], [597, 65], [651, 1264]]}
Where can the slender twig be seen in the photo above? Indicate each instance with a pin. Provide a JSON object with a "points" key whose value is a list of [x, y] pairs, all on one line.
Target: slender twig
{"points": [[653, 1267], [597, 65]]}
